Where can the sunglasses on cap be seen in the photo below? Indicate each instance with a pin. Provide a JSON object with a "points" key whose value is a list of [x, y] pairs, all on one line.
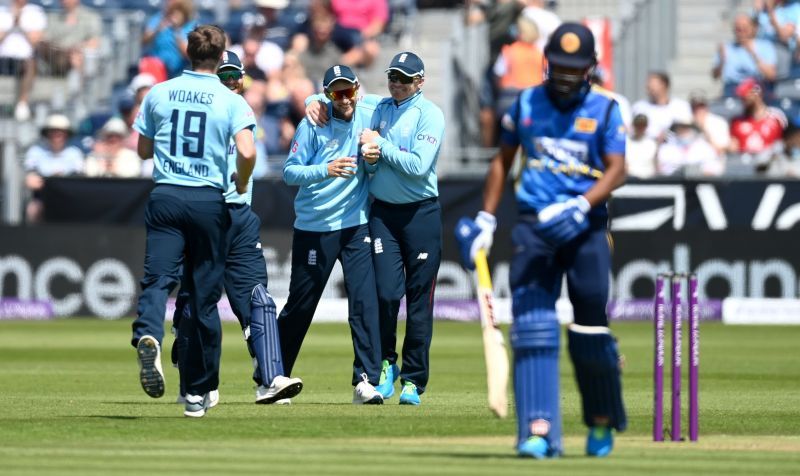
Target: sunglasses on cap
{"points": [[230, 75], [400, 78], [348, 93]]}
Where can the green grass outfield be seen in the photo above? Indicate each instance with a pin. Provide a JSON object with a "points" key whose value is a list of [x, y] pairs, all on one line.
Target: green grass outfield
{"points": [[72, 404]]}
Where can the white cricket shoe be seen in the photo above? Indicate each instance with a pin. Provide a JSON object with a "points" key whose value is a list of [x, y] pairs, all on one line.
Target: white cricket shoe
{"points": [[196, 405], [365, 394], [151, 376], [281, 388], [213, 398]]}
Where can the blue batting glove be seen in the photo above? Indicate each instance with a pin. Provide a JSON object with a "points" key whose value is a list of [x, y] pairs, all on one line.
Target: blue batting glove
{"points": [[473, 235], [562, 222]]}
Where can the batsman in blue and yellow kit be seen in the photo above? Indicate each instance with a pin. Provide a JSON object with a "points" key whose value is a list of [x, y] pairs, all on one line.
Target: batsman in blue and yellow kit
{"points": [[573, 143]]}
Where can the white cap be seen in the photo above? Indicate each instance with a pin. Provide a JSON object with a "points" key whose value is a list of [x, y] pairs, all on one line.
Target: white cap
{"points": [[58, 122], [276, 4], [114, 126]]}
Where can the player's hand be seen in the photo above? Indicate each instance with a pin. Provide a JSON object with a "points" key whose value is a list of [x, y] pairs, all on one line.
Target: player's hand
{"points": [[474, 235], [367, 136], [317, 113], [371, 152], [562, 222], [344, 167], [241, 188]]}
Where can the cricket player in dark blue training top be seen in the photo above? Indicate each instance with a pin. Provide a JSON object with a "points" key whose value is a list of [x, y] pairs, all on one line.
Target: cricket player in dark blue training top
{"points": [[573, 143], [246, 279], [332, 210], [186, 125], [405, 221]]}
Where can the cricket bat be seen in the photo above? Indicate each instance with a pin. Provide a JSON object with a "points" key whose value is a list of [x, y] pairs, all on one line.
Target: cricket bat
{"points": [[494, 347]]}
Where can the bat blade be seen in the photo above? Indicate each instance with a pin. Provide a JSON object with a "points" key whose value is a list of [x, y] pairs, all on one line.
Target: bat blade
{"points": [[494, 347]]}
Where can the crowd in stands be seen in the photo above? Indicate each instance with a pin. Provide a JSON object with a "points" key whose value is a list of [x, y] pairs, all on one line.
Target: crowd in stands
{"points": [[750, 128], [286, 46]]}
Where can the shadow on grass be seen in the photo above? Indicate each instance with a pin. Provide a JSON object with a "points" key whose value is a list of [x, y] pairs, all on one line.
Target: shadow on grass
{"points": [[511, 455]]}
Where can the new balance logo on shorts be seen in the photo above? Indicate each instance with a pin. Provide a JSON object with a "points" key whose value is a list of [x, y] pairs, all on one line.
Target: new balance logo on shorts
{"points": [[423, 256]]}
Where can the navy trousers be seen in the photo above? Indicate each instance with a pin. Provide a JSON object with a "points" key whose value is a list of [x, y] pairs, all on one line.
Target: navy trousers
{"points": [[245, 268], [313, 257], [586, 261], [407, 242], [190, 221]]}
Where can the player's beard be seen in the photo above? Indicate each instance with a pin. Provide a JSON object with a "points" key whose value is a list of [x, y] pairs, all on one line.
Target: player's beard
{"points": [[566, 90]]}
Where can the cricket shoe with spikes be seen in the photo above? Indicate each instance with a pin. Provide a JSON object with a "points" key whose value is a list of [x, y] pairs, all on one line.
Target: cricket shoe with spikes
{"points": [[151, 376], [281, 388]]}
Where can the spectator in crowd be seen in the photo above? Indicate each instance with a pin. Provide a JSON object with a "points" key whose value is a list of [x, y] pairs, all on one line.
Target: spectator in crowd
{"points": [[110, 157], [777, 20], [744, 57], [72, 37], [166, 34], [255, 96], [788, 164], [248, 52], [359, 23], [500, 17], [687, 150], [299, 86], [598, 78], [660, 108], [714, 127], [317, 49], [129, 105], [757, 133], [21, 28], [53, 157], [640, 150], [519, 65], [275, 23], [545, 20]]}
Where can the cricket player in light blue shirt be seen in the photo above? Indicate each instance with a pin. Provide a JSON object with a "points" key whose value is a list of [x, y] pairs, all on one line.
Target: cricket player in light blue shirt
{"points": [[402, 148], [186, 125], [245, 279], [332, 223]]}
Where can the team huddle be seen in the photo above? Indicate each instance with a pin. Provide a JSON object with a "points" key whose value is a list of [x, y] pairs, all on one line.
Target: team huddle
{"points": [[368, 197]]}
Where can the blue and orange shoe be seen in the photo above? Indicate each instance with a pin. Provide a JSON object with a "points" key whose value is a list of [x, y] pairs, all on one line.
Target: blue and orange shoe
{"points": [[409, 395], [600, 441], [389, 375]]}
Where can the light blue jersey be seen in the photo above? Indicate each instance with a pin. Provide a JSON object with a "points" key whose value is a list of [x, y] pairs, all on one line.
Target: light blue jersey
{"points": [[191, 120], [564, 150], [323, 203], [411, 137]]}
